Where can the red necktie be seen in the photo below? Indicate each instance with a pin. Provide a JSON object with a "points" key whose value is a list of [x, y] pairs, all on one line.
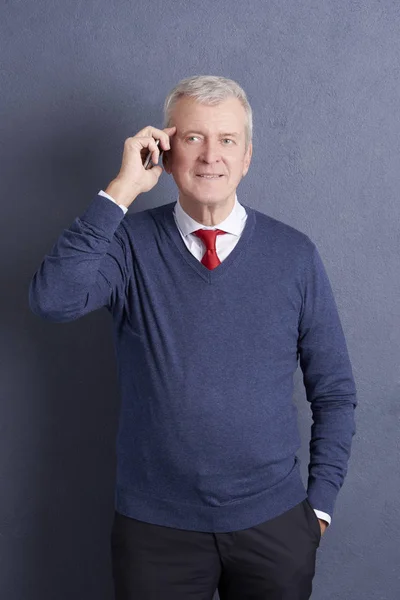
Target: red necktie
{"points": [[208, 237]]}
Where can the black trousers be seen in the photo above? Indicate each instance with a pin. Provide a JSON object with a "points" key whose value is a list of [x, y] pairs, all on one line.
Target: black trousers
{"points": [[271, 561]]}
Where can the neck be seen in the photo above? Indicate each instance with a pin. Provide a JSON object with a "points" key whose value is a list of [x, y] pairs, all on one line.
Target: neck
{"points": [[208, 213]]}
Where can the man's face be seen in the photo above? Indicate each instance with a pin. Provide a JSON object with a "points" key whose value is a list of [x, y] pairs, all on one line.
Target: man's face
{"points": [[208, 140]]}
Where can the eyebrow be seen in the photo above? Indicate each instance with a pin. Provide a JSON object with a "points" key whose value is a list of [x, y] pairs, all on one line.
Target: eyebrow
{"points": [[234, 134]]}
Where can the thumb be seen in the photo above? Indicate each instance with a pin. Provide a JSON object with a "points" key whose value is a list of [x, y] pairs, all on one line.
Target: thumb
{"points": [[157, 171]]}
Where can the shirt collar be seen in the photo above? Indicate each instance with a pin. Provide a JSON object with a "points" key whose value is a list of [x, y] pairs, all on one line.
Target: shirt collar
{"points": [[232, 224]]}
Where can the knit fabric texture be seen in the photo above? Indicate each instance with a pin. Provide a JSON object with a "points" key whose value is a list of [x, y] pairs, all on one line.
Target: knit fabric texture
{"points": [[208, 432]]}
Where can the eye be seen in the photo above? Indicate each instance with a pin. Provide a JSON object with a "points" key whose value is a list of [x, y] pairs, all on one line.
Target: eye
{"points": [[195, 136]]}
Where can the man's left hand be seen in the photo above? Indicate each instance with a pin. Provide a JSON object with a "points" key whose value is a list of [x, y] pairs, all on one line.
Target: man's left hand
{"points": [[323, 524]]}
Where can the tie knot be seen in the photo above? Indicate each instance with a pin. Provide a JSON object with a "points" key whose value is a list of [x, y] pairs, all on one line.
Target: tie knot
{"points": [[208, 236]]}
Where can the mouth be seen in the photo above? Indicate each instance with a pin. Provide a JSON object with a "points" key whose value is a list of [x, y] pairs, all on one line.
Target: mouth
{"points": [[209, 177]]}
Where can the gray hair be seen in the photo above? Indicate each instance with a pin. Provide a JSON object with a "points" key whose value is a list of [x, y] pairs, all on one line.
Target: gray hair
{"points": [[209, 89]]}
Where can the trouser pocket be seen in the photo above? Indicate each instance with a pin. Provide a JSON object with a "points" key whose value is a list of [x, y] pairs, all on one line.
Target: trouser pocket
{"points": [[314, 522]]}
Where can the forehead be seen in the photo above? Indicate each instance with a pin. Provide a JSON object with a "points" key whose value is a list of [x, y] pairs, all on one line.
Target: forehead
{"points": [[228, 115]]}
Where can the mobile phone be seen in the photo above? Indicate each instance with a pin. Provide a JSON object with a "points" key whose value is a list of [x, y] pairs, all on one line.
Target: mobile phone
{"points": [[148, 163]]}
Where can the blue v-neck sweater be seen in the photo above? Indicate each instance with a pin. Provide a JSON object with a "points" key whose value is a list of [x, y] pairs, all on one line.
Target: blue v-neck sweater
{"points": [[208, 433]]}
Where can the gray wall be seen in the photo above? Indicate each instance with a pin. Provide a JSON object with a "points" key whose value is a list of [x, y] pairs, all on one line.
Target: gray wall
{"points": [[77, 79]]}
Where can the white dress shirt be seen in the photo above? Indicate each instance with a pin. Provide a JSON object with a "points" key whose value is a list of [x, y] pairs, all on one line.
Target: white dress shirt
{"points": [[233, 225]]}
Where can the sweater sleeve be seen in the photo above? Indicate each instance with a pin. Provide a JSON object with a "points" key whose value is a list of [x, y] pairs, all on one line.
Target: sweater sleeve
{"points": [[86, 268], [329, 385], [123, 208]]}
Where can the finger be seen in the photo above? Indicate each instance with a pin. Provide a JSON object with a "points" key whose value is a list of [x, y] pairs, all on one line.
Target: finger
{"points": [[171, 131], [156, 154], [153, 149], [156, 171], [158, 134], [165, 143], [162, 134], [148, 145]]}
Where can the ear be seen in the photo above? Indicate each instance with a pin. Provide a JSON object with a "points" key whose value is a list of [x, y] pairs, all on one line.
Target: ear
{"points": [[247, 159], [166, 161]]}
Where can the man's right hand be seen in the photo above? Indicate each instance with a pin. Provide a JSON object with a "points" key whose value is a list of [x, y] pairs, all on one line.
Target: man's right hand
{"points": [[133, 178]]}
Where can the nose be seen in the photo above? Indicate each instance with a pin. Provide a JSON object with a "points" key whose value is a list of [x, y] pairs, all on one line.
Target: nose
{"points": [[211, 152]]}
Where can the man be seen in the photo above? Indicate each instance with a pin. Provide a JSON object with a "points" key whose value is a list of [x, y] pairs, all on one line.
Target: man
{"points": [[213, 305]]}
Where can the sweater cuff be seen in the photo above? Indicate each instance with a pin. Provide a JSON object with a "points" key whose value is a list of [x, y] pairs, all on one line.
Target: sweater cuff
{"points": [[323, 515], [103, 214], [322, 495], [103, 193]]}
